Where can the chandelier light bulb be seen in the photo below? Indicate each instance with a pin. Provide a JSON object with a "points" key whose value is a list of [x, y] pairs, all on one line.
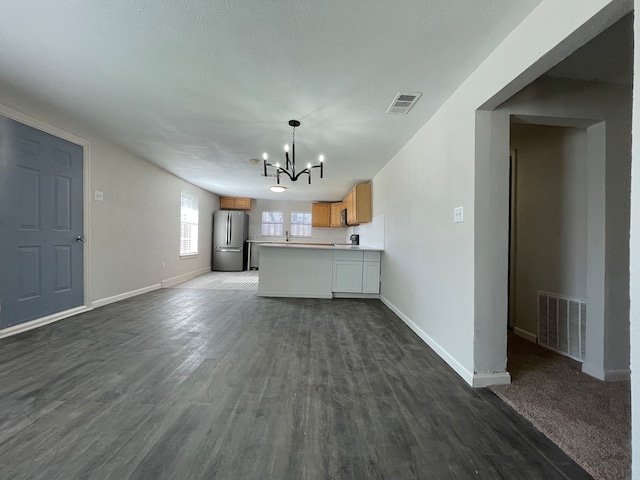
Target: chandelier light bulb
{"points": [[309, 165], [277, 164], [265, 156], [286, 147], [321, 158]]}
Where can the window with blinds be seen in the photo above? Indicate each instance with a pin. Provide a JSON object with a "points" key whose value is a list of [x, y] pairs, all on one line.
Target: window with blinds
{"points": [[272, 224], [188, 224], [300, 224]]}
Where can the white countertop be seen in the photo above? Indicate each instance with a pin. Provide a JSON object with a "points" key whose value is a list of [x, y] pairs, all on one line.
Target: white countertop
{"points": [[322, 247]]}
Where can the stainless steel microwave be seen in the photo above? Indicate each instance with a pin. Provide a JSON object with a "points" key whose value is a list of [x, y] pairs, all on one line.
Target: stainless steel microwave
{"points": [[343, 218]]}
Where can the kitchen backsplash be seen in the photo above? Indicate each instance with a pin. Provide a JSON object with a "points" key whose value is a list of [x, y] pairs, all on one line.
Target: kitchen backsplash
{"points": [[371, 234], [318, 234]]}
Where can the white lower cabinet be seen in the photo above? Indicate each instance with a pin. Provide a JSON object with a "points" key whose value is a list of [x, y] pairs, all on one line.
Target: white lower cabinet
{"points": [[356, 272], [347, 276], [371, 277]]}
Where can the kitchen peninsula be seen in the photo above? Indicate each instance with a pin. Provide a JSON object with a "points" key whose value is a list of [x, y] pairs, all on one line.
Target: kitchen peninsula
{"points": [[319, 271]]}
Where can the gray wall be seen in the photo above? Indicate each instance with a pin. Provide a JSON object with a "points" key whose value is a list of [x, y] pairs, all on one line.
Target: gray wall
{"points": [[551, 217]]}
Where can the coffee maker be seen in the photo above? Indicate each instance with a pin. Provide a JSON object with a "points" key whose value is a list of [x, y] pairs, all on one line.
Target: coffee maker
{"points": [[355, 239]]}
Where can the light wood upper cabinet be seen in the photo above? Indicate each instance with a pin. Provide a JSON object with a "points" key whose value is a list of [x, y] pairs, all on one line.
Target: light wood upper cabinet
{"points": [[235, 203], [243, 203], [336, 210], [320, 214], [358, 204], [350, 206]]}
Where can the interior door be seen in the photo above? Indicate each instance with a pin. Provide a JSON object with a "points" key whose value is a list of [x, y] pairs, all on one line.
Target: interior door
{"points": [[41, 230]]}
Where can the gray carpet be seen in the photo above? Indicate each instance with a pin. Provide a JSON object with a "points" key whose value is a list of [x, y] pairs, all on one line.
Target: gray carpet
{"points": [[589, 419]]}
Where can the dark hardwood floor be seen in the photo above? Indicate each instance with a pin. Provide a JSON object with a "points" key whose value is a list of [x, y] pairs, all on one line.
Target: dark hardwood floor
{"points": [[221, 384]]}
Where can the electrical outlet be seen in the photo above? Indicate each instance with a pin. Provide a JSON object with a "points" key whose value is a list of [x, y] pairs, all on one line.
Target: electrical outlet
{"points": [[98, 196]]}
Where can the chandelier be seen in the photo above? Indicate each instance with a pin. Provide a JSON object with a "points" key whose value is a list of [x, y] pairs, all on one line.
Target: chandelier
{"points": [[290, 166]]}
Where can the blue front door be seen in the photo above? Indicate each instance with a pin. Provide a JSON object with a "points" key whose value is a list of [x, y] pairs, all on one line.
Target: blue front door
{"points": [[41, 231]]}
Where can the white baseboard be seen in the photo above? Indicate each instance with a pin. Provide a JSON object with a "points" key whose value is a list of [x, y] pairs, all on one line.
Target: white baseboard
{"points": [[40, 322], [594, 372], [280, 294], [356, 295], [170, 282], [616, 375], [487, 379], [525, 334], [606, 375], [123, 296], [466, 375]]}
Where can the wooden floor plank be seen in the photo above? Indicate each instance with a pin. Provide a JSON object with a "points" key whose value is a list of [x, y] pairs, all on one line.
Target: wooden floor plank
{"points": [[201, 384]]}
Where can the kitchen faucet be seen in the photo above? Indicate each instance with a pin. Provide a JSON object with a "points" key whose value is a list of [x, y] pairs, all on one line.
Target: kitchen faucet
{"points": [[286, 234]]}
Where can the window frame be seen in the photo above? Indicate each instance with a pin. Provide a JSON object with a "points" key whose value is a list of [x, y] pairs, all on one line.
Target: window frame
{"points": [[264, 224], [307, 216], [189, 201]]}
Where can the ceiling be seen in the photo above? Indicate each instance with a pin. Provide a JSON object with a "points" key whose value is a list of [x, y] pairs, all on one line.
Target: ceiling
{"points": [[200, 88]]}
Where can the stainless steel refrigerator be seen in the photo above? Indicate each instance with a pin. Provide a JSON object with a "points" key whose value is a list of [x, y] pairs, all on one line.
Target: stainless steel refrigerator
{"points": [[230, 234]]}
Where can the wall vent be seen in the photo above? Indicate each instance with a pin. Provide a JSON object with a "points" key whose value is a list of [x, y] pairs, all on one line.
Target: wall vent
{"points": [[403, 102], [562, 324]]}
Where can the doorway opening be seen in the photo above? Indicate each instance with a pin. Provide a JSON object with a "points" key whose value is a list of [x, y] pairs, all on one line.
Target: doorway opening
{"points": [[548, 236]]}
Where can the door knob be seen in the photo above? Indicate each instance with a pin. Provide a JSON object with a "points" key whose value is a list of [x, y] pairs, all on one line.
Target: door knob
{"points": [[80, 238]]}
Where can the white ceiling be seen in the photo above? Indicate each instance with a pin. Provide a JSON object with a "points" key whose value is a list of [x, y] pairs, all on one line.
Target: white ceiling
{"points": [[199, 88]]}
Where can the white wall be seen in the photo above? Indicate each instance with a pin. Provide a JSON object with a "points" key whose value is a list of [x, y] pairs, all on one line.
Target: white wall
{"points": [[445, 278], [137, 226], [550, 224]]}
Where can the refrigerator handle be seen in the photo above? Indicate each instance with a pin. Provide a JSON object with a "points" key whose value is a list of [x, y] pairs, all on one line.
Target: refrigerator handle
{"points": [[228, 228]]}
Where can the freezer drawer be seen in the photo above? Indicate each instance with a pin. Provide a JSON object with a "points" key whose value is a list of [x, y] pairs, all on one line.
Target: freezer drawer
{"points": [[228, 260]]}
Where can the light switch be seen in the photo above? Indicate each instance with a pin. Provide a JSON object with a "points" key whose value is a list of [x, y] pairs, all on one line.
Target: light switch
{"points": [[457, 215], [98, 196]]}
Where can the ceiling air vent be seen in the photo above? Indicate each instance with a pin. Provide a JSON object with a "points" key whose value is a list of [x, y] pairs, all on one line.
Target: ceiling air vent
{"points": [[403, 102]]}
